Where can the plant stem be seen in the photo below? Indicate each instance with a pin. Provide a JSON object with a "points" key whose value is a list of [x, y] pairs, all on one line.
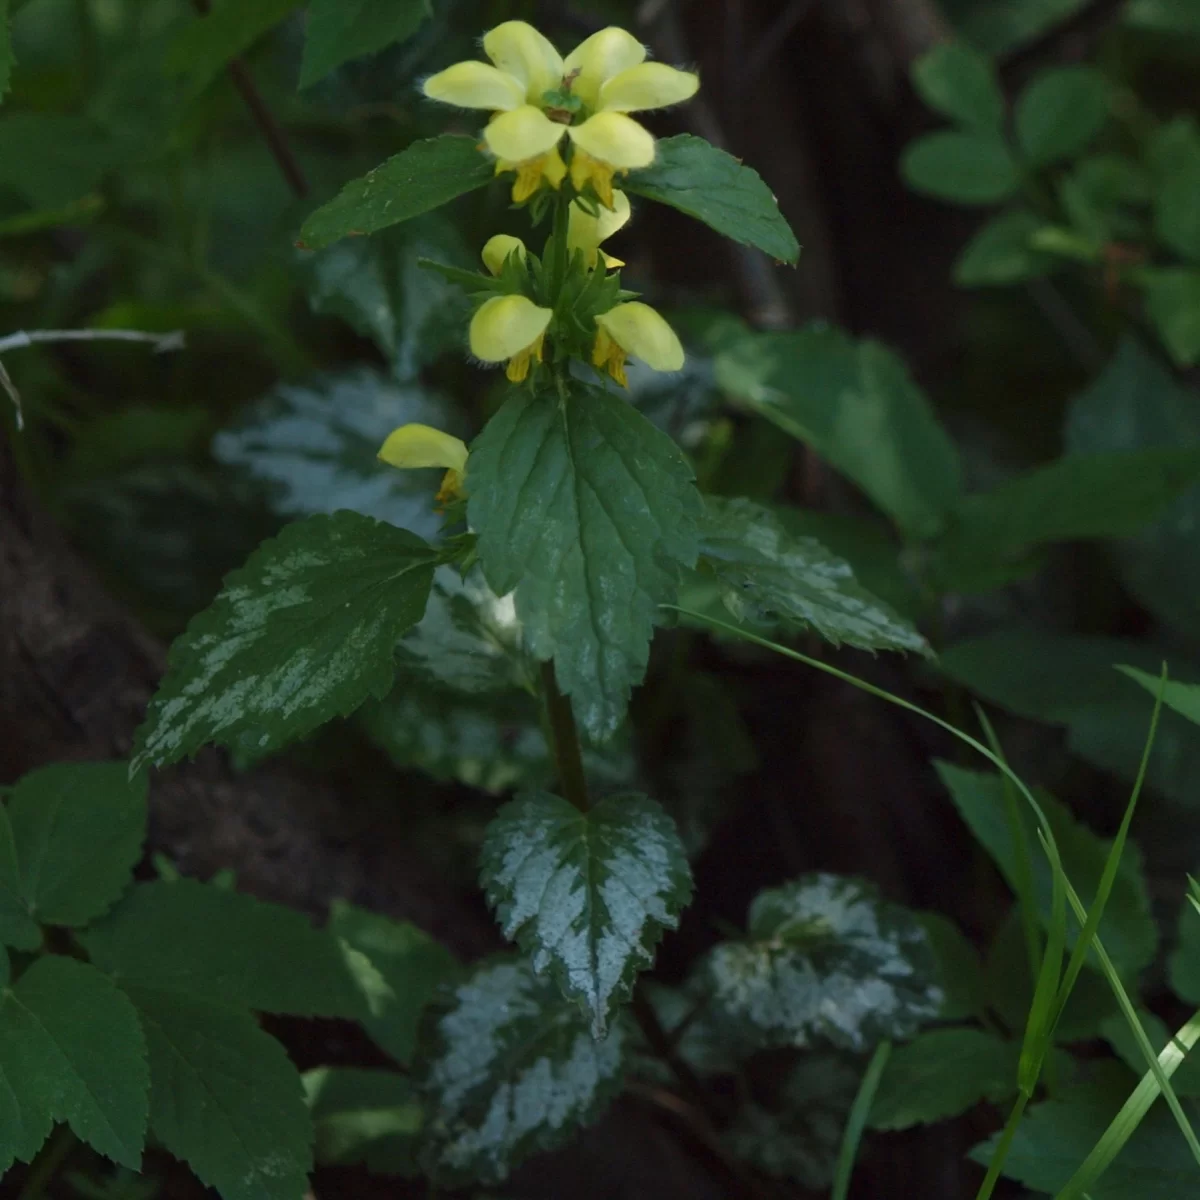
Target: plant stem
{"points": [[1002, 1148], [660, 1042], [565, 737], [558, 242]]}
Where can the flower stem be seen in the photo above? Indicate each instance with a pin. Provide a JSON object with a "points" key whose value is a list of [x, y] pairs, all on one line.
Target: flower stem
{"points": [[565, 738], [558, 241]]}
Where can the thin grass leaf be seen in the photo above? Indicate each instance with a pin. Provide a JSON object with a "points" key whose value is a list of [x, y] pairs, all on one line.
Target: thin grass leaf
{"points": [[1002, 1148], [856, 1122], [1132, 1111]]}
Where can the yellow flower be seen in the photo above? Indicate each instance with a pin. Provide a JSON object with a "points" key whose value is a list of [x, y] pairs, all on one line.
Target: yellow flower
{"points": [[424, 446], [512, 329], [585, 232], [606, 76], [635, 328], [497, 249]]}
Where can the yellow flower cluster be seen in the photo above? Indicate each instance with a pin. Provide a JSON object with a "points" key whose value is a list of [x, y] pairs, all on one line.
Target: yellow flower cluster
{"points": [[538, 98]]}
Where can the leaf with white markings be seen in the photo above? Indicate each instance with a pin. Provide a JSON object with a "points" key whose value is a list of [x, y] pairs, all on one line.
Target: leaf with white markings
{"points": [[714, 187], [71, 1050], [826, 961], [769, 577], [193, 939], [302, 633], [70, 837], [512, 1069], [586, 895], [590, 513], [224, 1097]]}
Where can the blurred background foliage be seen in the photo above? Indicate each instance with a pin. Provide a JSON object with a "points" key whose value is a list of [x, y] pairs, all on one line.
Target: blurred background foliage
{"points": [[1001, 271]]}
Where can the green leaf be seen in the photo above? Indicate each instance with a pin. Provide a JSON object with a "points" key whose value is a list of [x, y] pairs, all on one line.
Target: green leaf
{"points": [[71, 1050], [7, 60], [533, 1076], [1001, 26], [1173, 305], [589, 512], [412, 965], [220, 946], [372, 1117], [339, 30], [1135, 404], [800, 1139], [1080, 496], [1060, 112], [769, 577], [857, 406], [959, 970], [425, 176], [586, 895], [1057, 1135], [943, 1073], [826, 961], [714, 187], [1175, 159], [205, 47], [302, 633], [69, 840], [53, 159], [316, 445], [1182, 697], [1164, 16], [1002, 252], [1127, 928], [961, 84], [224, 1098], [1184, 963], [966, 168]]}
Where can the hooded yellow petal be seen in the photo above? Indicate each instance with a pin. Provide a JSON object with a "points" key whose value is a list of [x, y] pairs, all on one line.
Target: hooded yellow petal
{"points": [[642, 332], [522, 134], [585, 232], [519, 50], [613, 138], [648, 85], [476, 85], [600, 57], [497, 249], [506, 325], [424, 446]]}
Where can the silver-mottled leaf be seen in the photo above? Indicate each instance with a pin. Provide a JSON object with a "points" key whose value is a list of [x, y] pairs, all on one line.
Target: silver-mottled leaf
{"points": [[826, 961], [513, 1069], [586, 895], [770, 577], [315, 446], [589, 513], [302, 633]]}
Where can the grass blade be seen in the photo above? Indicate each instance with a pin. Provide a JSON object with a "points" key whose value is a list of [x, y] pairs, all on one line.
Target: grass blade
{"points": [[856, 1122]]}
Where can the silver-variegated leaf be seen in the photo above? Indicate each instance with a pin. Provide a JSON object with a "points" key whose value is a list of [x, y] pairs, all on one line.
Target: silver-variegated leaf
{"points": [[826, 961], [586, 895]]}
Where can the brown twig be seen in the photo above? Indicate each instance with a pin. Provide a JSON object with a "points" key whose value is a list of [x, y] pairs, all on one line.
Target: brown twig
{"points": [[270, 129]]}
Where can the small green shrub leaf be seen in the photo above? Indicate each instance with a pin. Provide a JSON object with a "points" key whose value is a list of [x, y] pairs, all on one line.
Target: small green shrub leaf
{"points": [[1127, 928], [7, 61], [960, 83], [224, 1097], [1002, 252], [857, 406], [339, 30], [69, 840], [1175, 160], [315, 447], [960, 970], [302, 633], [1060, 112], [714, 187], [71, 1049], [769, 577], [586, 895], [942, 1073], [205, 47], [194, 939], [1003, 28], [564, 495], [965, 168], [411, 964], [1184, 963], [1184, 698], [826, 960], [534, 1074], [1173, 305], [361, 1116], [425, 176]]}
